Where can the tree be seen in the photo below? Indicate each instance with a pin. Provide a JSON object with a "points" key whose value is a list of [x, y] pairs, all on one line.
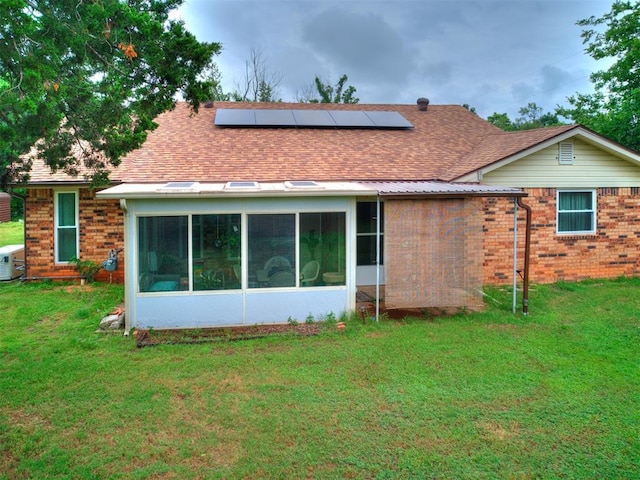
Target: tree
{"points": [[212, 75], [326, 93], [259, 83], [83, 81], [612, 110], [501, 120], [530, 117]]}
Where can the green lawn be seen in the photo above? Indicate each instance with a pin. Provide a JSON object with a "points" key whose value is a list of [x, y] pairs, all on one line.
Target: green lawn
{"points": [[11, 233], [477, 396]]}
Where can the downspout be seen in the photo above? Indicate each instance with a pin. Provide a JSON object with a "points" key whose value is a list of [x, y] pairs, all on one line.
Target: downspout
{"points": [[127, 317], [515, 255], [378, 257], [527, 248]]}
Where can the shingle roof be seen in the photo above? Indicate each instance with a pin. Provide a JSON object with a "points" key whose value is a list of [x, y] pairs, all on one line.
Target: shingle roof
{"points": [[501, 145], [447, 141], [189, 147]]}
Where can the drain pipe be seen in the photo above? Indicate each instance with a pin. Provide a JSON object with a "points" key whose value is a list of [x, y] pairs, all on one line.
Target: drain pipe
{"points": [[378, 258], [527, 249]]}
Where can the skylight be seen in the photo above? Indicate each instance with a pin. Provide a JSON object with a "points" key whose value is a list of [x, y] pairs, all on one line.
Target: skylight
{"points": [[179, 187], [241, 185], [301, 184]]}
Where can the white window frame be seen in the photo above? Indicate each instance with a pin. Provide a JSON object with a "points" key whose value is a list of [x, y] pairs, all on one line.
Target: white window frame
{"points": [[593, 211], [57, 225]]}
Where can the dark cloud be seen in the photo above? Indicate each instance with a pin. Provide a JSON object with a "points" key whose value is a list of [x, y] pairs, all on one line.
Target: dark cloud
{"points": [[494, 55]]}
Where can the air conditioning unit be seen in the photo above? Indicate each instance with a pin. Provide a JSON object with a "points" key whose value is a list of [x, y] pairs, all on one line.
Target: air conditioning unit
{"points": [[11, 261]]}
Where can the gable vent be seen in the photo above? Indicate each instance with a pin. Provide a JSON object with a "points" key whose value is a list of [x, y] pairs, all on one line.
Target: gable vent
{"points": [[565, 153]]}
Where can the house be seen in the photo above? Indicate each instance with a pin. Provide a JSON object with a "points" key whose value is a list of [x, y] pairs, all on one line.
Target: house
{"points": [[262, 213]]}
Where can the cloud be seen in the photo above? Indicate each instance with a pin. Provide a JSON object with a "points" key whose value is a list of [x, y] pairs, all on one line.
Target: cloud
{"points": [[362, 45], [496, 55]]}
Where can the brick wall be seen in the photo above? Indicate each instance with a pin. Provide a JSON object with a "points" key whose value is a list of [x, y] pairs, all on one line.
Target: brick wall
{"points": [[611, 252], [101, 229]]}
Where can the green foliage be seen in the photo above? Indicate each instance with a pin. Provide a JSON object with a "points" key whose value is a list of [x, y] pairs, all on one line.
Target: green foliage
{"points": [[612, 110], [17, 203], [477, 396], [86, 79], [213, 76], [335, 94], [87, 269], [530, 117]]}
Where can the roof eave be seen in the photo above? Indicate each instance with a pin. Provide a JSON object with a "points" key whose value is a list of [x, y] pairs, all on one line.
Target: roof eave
{"points": [[578, 131]]}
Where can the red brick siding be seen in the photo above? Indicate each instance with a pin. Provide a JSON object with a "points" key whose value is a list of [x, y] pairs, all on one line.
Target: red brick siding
{"points": [[101, 229], [611, 252]]}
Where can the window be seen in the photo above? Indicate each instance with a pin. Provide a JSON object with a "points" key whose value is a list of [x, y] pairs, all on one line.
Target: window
{"points": [[206, 252], [366, 233], [66, 226], [322, 249], [272, 250], [163, 260], [216, 252], [576, 212]]}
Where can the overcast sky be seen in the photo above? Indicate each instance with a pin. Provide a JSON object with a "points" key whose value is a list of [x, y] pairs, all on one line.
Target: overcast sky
{"points": [[496, 56]]}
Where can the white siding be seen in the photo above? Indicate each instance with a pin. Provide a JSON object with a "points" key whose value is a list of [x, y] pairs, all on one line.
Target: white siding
{"points": [[591, 167]]}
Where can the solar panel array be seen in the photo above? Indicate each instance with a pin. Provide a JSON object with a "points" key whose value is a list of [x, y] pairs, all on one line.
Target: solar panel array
{"points": [[245, 117]]}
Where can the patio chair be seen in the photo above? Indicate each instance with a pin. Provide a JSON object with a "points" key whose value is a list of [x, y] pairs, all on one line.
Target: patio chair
{"points": [[309, 273]]}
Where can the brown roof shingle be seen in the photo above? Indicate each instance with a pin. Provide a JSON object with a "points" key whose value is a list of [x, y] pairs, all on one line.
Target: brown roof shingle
{"points": [[188, 147], [447, 141]]}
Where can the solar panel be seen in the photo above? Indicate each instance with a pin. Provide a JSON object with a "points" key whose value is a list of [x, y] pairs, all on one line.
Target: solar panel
{"points": [[313, 118], [389, 120], [353, 119], [235, 117], [275, 118], [301, 118]]}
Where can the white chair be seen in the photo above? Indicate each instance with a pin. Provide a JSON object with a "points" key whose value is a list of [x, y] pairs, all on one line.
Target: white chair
{"points": [[309, 273]]}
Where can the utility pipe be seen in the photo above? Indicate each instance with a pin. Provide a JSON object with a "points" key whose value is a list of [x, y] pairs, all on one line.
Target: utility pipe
{"points": [[527, 249], [515, 255], [378, 258]]}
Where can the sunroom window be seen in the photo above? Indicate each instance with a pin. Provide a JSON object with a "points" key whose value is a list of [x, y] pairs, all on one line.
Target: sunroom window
{"points": [[163, 253], [272, 250], [322, 249], [576, 212], [205, 252], [216, 252]]}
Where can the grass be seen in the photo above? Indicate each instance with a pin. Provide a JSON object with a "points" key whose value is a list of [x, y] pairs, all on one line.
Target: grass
{"points": [[11, 233], [475, 396]]}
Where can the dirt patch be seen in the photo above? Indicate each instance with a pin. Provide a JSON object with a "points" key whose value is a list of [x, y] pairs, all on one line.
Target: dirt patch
{"points": [[147, 338]]}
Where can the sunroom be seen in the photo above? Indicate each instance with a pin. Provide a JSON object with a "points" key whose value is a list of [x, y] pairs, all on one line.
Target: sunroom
{"points": [[244, 253], [203, 255]]}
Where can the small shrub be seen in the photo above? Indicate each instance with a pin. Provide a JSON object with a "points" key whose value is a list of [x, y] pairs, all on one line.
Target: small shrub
{"points": [[86, 268]]}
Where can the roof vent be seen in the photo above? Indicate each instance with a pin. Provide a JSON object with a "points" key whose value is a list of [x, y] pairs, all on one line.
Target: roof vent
{"points": [[209, 104], [423, 104]]}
